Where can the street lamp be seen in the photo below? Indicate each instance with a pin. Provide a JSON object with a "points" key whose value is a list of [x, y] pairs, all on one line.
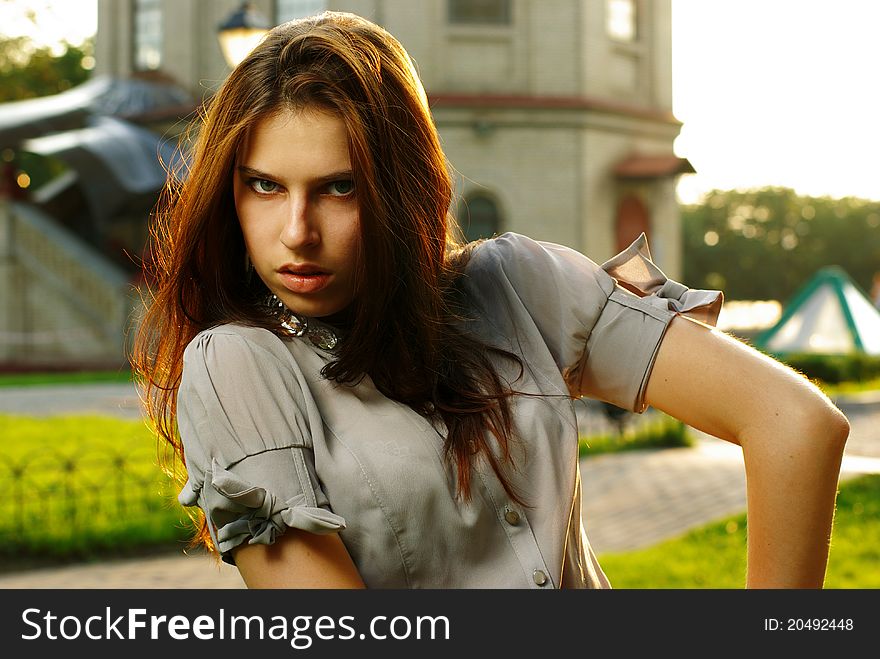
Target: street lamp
{"points": [[241, 32]]}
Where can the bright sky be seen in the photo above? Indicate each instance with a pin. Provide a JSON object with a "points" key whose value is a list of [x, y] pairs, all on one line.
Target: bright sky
{"points": [[70, 20], [771, 92], [778, 92]]}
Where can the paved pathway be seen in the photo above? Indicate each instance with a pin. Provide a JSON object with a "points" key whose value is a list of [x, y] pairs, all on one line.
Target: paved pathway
{"points": [[116, 399], [631, 500]]}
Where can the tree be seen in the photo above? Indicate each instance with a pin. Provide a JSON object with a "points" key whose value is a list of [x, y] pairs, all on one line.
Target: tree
{"points": [[29, 71], [765, 244]]}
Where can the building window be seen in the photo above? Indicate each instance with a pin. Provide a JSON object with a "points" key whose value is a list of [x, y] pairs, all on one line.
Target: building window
{"points": [[622, 19], [478, 217], [481, 12], [147, 34], [287, 10]]}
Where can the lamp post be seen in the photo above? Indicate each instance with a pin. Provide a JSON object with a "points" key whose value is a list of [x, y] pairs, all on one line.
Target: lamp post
{"points": [[240, 32]]}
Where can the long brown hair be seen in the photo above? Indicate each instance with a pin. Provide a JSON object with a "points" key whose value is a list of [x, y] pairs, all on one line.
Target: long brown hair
{"points": [[405, 330]]}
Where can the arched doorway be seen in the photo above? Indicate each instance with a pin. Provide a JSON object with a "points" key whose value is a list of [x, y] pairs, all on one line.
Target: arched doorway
{"points": [[479, 217], [632, 220]]}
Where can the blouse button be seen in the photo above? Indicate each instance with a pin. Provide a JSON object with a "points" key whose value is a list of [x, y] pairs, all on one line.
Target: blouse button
{"points": [[512, 517], [539, 577]]}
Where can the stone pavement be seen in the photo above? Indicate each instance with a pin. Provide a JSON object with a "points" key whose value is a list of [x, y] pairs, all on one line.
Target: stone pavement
{"points": [[630, 500]]}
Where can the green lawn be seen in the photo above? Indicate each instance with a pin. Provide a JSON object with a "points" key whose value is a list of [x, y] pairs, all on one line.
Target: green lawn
{"points": [[714, 556], [82, 485], [661, 431], [850, 387], [73, 377]]}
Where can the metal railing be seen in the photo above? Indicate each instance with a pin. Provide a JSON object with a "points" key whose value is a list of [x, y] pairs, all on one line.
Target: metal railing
{"points": [[50, 498], [91, 297]]}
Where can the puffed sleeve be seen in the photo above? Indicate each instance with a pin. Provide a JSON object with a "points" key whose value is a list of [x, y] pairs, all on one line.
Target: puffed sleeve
{"points": [[243, 421], [602, 324]]}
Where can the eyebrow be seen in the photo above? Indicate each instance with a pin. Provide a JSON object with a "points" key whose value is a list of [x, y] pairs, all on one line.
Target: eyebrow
{"points": [[256, 173]]}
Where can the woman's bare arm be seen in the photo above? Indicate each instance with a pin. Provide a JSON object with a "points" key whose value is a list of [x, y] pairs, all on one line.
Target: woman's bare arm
{"points": [[298, 559], [792, 438]]}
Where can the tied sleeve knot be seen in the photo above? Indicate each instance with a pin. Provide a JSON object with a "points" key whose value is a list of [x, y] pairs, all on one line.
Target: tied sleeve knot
{"points": [[635, 271], [243, 512]]}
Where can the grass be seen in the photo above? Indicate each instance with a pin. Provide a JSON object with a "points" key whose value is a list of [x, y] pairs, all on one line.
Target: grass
{"points": [[714, 556], [82, 486], [72, 377], [849, 387], [70, 435], [661, 432]]}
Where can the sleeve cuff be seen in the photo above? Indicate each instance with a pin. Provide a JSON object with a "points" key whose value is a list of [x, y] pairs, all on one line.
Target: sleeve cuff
{"points": [[635, 271], [619, 354], [239, 511]]}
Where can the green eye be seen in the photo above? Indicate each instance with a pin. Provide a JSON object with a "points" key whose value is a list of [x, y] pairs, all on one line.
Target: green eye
{"points": [[262, 186], [341, 188]]}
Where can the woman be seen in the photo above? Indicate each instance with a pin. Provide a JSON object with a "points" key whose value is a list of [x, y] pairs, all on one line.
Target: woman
{"points": [[362, 402]]}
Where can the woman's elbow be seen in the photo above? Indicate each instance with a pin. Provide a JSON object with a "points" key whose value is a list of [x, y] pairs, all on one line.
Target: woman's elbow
{"points": [[822, 420], [838, 426]]}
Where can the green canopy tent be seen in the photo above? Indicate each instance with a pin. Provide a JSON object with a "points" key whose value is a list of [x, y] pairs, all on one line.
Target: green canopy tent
{"points": [[829, 315]]}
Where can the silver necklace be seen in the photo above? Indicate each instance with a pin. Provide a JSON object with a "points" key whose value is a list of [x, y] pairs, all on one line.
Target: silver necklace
{"points": [[319, 334]]}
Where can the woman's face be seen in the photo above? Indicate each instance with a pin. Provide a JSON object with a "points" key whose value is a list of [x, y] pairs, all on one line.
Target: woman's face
{"points": [[297, 206]]}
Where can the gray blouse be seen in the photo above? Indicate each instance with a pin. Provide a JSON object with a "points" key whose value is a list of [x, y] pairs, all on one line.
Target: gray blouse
{"points": [[269, 444]]}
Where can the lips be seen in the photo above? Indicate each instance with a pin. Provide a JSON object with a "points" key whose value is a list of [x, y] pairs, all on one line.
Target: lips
{"points": [[303, 278], [302, 269]]}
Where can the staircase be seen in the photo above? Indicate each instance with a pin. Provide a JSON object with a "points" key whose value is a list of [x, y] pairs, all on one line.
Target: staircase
{"points": [[63, 305]]}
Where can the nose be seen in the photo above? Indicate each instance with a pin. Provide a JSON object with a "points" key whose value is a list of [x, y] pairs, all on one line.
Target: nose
{"points": [[300, 228]]}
